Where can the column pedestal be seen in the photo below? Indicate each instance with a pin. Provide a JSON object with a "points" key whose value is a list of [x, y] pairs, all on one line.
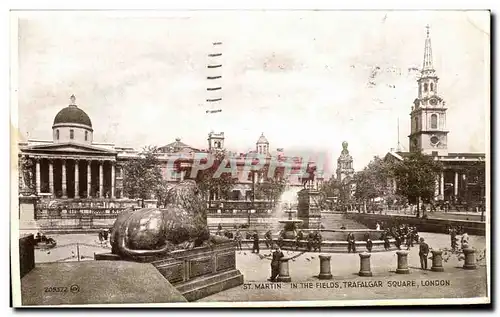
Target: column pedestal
{"points": [[324, 267], [437, 261], [402, 262], [284, 275], [364, 264], [470, 259]]}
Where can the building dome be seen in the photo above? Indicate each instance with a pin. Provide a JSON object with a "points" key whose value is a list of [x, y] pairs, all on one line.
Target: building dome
{"points": [[72, 115], [262, 140]]}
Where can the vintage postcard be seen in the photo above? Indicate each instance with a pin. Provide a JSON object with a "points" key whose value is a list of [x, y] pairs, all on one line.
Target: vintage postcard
{"points": [[250, 158]]}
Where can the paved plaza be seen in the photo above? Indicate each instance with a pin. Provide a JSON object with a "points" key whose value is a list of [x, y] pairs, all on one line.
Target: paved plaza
{"points": [[304, 268]]}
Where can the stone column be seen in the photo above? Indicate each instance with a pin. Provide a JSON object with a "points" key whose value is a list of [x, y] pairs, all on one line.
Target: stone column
{"points": [[89, 177], [324, 267], [441, 185], [402, 262], [284, 275], [37, 172], [112, 180], [437, 261], [77, 179], [63, 179], [364, 264], [455, 187], [51, 177], [101, 188], [470, 259], [436, 188]]}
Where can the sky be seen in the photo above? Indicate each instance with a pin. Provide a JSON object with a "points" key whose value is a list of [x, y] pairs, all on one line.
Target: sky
{"points": [[300, 77]]}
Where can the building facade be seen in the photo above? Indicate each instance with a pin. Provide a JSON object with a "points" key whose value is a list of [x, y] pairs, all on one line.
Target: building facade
{"points": [[463, 177]]}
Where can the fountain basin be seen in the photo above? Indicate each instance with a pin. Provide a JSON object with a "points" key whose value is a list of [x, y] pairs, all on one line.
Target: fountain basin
{"points": [[289, 232]]}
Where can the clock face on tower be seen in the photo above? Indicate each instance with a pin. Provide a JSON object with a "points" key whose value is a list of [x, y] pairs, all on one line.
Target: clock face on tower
{"points": [[434, 140], [433, 101]]}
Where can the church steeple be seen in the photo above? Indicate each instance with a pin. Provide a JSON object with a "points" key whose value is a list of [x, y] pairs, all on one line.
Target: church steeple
{"points": [[428, 67], [428, 115]]}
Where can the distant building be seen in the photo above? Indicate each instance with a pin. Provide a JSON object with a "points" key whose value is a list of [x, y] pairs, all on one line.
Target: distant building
{"points": [[460, 181]]}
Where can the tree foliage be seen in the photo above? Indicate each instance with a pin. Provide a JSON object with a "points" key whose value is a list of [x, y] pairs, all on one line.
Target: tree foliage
{"points": [[142, 175], [209, 181], [416, 177], [371, 182]]}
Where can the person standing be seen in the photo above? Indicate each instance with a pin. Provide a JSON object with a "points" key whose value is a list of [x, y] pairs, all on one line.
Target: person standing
{"points": [[351, 243], [237, 239], [268, 239], [275, 264], [377, 226], [369, 244], [423, 253], [255, 248]]}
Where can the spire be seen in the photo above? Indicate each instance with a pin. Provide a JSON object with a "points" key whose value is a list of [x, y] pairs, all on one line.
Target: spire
{"points": [[428, 53]]}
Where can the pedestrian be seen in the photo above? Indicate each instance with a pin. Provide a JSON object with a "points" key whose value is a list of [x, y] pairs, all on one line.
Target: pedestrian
{"points": [[369, 244], [453, 237], [465, 241], [397, 241], [237, 239], [351, 243], [255, 248], [105, 234], [310, 241], [377, 227], [423, 253], [268, 239], [317, 241], [275, 264], [387, 244], [100, 236]]}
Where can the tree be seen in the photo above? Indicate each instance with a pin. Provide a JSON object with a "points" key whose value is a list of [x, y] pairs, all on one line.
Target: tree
{"points": [[270, 187], [416, 177], [143, 177], [371, 182], [209, 183]]}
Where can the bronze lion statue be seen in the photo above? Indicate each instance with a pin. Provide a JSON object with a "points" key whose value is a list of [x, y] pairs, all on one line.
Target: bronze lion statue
{"points": [[182, 224]]}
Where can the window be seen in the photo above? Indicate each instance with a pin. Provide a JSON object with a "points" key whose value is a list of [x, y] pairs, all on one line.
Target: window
{"points": [[57, 134], [434, 121], [71, 134], [426, 87], [432, 87], [86, 135]]}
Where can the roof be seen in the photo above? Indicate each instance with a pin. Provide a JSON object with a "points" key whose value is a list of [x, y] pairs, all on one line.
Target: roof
{"points": [[176, 146], [262, 139], [72, 114]]}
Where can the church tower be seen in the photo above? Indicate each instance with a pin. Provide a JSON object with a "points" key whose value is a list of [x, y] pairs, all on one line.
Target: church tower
{"points": [[428, 115]]}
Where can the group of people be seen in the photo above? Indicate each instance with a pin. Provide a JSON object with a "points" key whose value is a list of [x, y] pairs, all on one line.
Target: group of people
{"points": [[464, 240], [103, 235]]}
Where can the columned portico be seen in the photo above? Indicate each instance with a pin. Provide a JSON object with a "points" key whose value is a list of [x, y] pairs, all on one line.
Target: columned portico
{"points": [[37, 171], [51, 176], [89, 178], [112, 179]]}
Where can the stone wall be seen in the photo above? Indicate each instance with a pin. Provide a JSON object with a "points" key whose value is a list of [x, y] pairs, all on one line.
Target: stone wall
{"points": [[424, 225]]}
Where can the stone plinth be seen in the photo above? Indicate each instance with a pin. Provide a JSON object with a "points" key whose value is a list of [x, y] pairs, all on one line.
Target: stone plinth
{"points": [[26, 254], [364, 264], [284, 275], [308, 209], [402, 262], [27, 206], [437, 261], [196, 273], [324, 267], [470, 259]]}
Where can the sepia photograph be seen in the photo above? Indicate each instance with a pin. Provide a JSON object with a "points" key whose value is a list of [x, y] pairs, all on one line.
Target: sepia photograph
{"points": [[250, 158]]}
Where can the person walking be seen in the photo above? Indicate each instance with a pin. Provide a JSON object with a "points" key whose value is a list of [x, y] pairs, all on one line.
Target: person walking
{"points": [[423, 253], [255, 248], [275, 264]]}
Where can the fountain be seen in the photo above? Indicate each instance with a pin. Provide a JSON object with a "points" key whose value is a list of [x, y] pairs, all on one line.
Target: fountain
{"points": [[289, 232]]}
